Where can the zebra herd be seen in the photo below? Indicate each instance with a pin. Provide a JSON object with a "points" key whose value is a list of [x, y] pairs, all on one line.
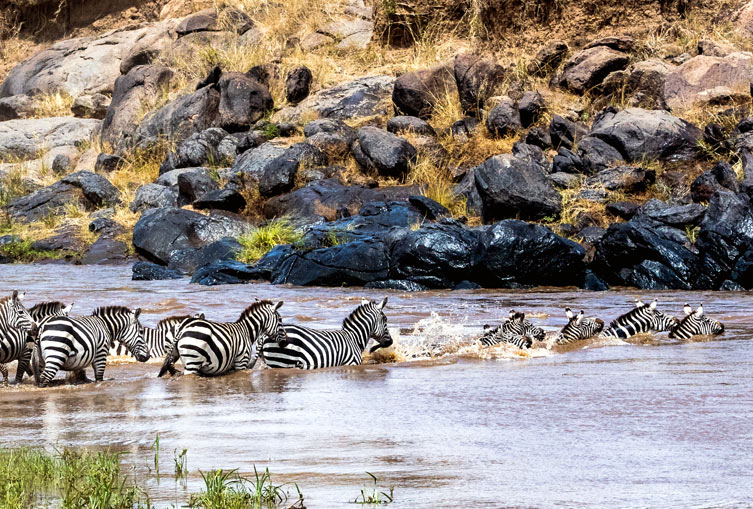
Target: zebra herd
{"points": [[46, 339]]}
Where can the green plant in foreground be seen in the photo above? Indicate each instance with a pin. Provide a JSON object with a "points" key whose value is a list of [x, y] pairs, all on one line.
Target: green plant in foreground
{"points": [[181, 467], [225, 489], [257, 243], [155, 447], [374, 497]]}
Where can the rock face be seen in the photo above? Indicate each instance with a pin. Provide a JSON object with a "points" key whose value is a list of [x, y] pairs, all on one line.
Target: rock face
{"points": [[514, 254], [298, 84], [84, 64], [86, 189], [131, 90], [26, 138], [364, 97], [504, 119], [589, 67], [243, 101], [639, 134], [90, 106], [417, 92], [154, 196], [512, 187], [629, 179], [702, 78], [383, 152], [163, 234], [548, 58], [279, 174], [146, 271], [720, 178], [477, 80]]}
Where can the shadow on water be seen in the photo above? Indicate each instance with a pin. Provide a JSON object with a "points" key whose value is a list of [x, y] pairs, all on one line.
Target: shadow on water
{"points": [[651, 422]]}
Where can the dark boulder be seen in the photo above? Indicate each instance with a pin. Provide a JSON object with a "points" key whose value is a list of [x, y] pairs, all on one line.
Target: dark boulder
{"points": [[726, 235], [154, 196], [195, 184], [298, 84], [530, 106], [616, 42], [428, 207], [594, 283], [243, 101], [567, 162], [597, 155], [223, 272], [477, 80], [548, 58], [201, 21], [397, 284], [565, 133], [721, 177], [107, 163], [383, 152], [405, 124], [96, 188], [511, 187], [514, 254], [504, 119], [330, 126], [200, 149], [641, 255], [464, 128], [623, 209], [279, 174], [147, 271], [44, 202], [105, 250], [435, 255], [678, 216], [466, 285], [221, 199], [640, 134], [187, 261], [417, 92], [589, 67], [564, 180]]}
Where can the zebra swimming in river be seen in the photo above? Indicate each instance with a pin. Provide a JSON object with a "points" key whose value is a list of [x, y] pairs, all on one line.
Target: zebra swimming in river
{"points": [[578, 328], [641, 319], [159, 340], [214, 348], [696, 323], [16, 324], [307, 348], [72, 344], [495, 335]]}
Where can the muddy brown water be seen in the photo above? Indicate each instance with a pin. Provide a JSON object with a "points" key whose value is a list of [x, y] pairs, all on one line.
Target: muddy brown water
{"points": [[651, 423]]}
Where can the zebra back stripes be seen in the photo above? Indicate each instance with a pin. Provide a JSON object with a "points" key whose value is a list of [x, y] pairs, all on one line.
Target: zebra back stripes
{"points": [[213, 348], [641, 319], [578, 328], [72, 344], [159, 340], [695, 323], [307, 348], [495, 335], [517, 324]]}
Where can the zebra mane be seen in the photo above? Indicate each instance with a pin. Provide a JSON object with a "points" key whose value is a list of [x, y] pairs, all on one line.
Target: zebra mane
{"points": [[254, 307], [176, 318], [4, 300], [53, 304], [625, 319], [361, 308], [110, 310]]}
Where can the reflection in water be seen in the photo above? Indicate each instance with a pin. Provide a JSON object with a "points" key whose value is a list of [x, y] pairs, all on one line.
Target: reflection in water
{"points": [[653, 422]]}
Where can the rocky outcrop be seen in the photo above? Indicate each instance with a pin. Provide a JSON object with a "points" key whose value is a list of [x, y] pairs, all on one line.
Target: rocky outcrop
{"points": [[364, 97], [298, 84], [588, 68], [28, 138], [417, 92], [707, 79], [477, 80], [383, 152], [243, 101]]}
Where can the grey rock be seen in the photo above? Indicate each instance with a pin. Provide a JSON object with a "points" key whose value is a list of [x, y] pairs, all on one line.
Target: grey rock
{"points": [[384, 152], [90, 105], [27, 138], [155, 196]]}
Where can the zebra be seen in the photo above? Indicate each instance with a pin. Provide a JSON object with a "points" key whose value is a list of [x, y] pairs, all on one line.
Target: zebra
{"points": [[641, 319], [696, 323], [495, 335], [214, 348], [41, 313], [578, 328], [307, 348], [72, 344], [159, 341], [16, 323]]}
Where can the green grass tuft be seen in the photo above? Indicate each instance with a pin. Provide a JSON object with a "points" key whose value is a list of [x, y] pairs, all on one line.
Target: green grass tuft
{"points": [[257, 243], [374, 496], [228, 490]]}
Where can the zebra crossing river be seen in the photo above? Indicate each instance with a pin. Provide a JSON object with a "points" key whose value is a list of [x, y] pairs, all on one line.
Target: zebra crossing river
{"points": [[651, 423]]}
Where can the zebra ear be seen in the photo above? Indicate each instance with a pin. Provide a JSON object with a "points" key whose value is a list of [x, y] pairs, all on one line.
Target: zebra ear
{"points": [[511, 314], [278, 305], [653, 305], [384, 303], [67, 309], [687, 309], [699, 311], [580, 317], [136, 313], [200, 316], [364, 301], [487, 326], [569, 313], [18, 296]]}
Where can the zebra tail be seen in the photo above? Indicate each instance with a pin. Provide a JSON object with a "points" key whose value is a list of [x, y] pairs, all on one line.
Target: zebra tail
{"points": [[37, 361], [170, 360]]}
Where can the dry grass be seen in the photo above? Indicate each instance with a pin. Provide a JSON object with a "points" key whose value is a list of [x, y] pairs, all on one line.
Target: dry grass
{"points": [[55, 104]]}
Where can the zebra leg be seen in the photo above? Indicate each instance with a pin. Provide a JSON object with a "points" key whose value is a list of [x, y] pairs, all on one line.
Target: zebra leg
{"points": [[98, 363], [169, 362], [23, 365], [4, 371]]}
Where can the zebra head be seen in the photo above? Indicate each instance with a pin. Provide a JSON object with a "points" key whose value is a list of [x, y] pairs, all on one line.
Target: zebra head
{"points": [[660, 322], [264, 320], [578, 327], [370, 317], [696, 323], [124, 326], [517, 324], [15, 314]]}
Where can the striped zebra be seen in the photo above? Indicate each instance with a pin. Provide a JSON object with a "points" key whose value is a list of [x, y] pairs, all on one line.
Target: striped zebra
{"points": [[16, 324], [159, 340], [72, 344], [214, 348], [641, 319], [306, 348], [696, 323], [495, 335], [578, 328], [41, 313], [516, 323]]}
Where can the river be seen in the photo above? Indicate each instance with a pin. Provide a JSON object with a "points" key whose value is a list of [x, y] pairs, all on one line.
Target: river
{"points": [[650, 423]]}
